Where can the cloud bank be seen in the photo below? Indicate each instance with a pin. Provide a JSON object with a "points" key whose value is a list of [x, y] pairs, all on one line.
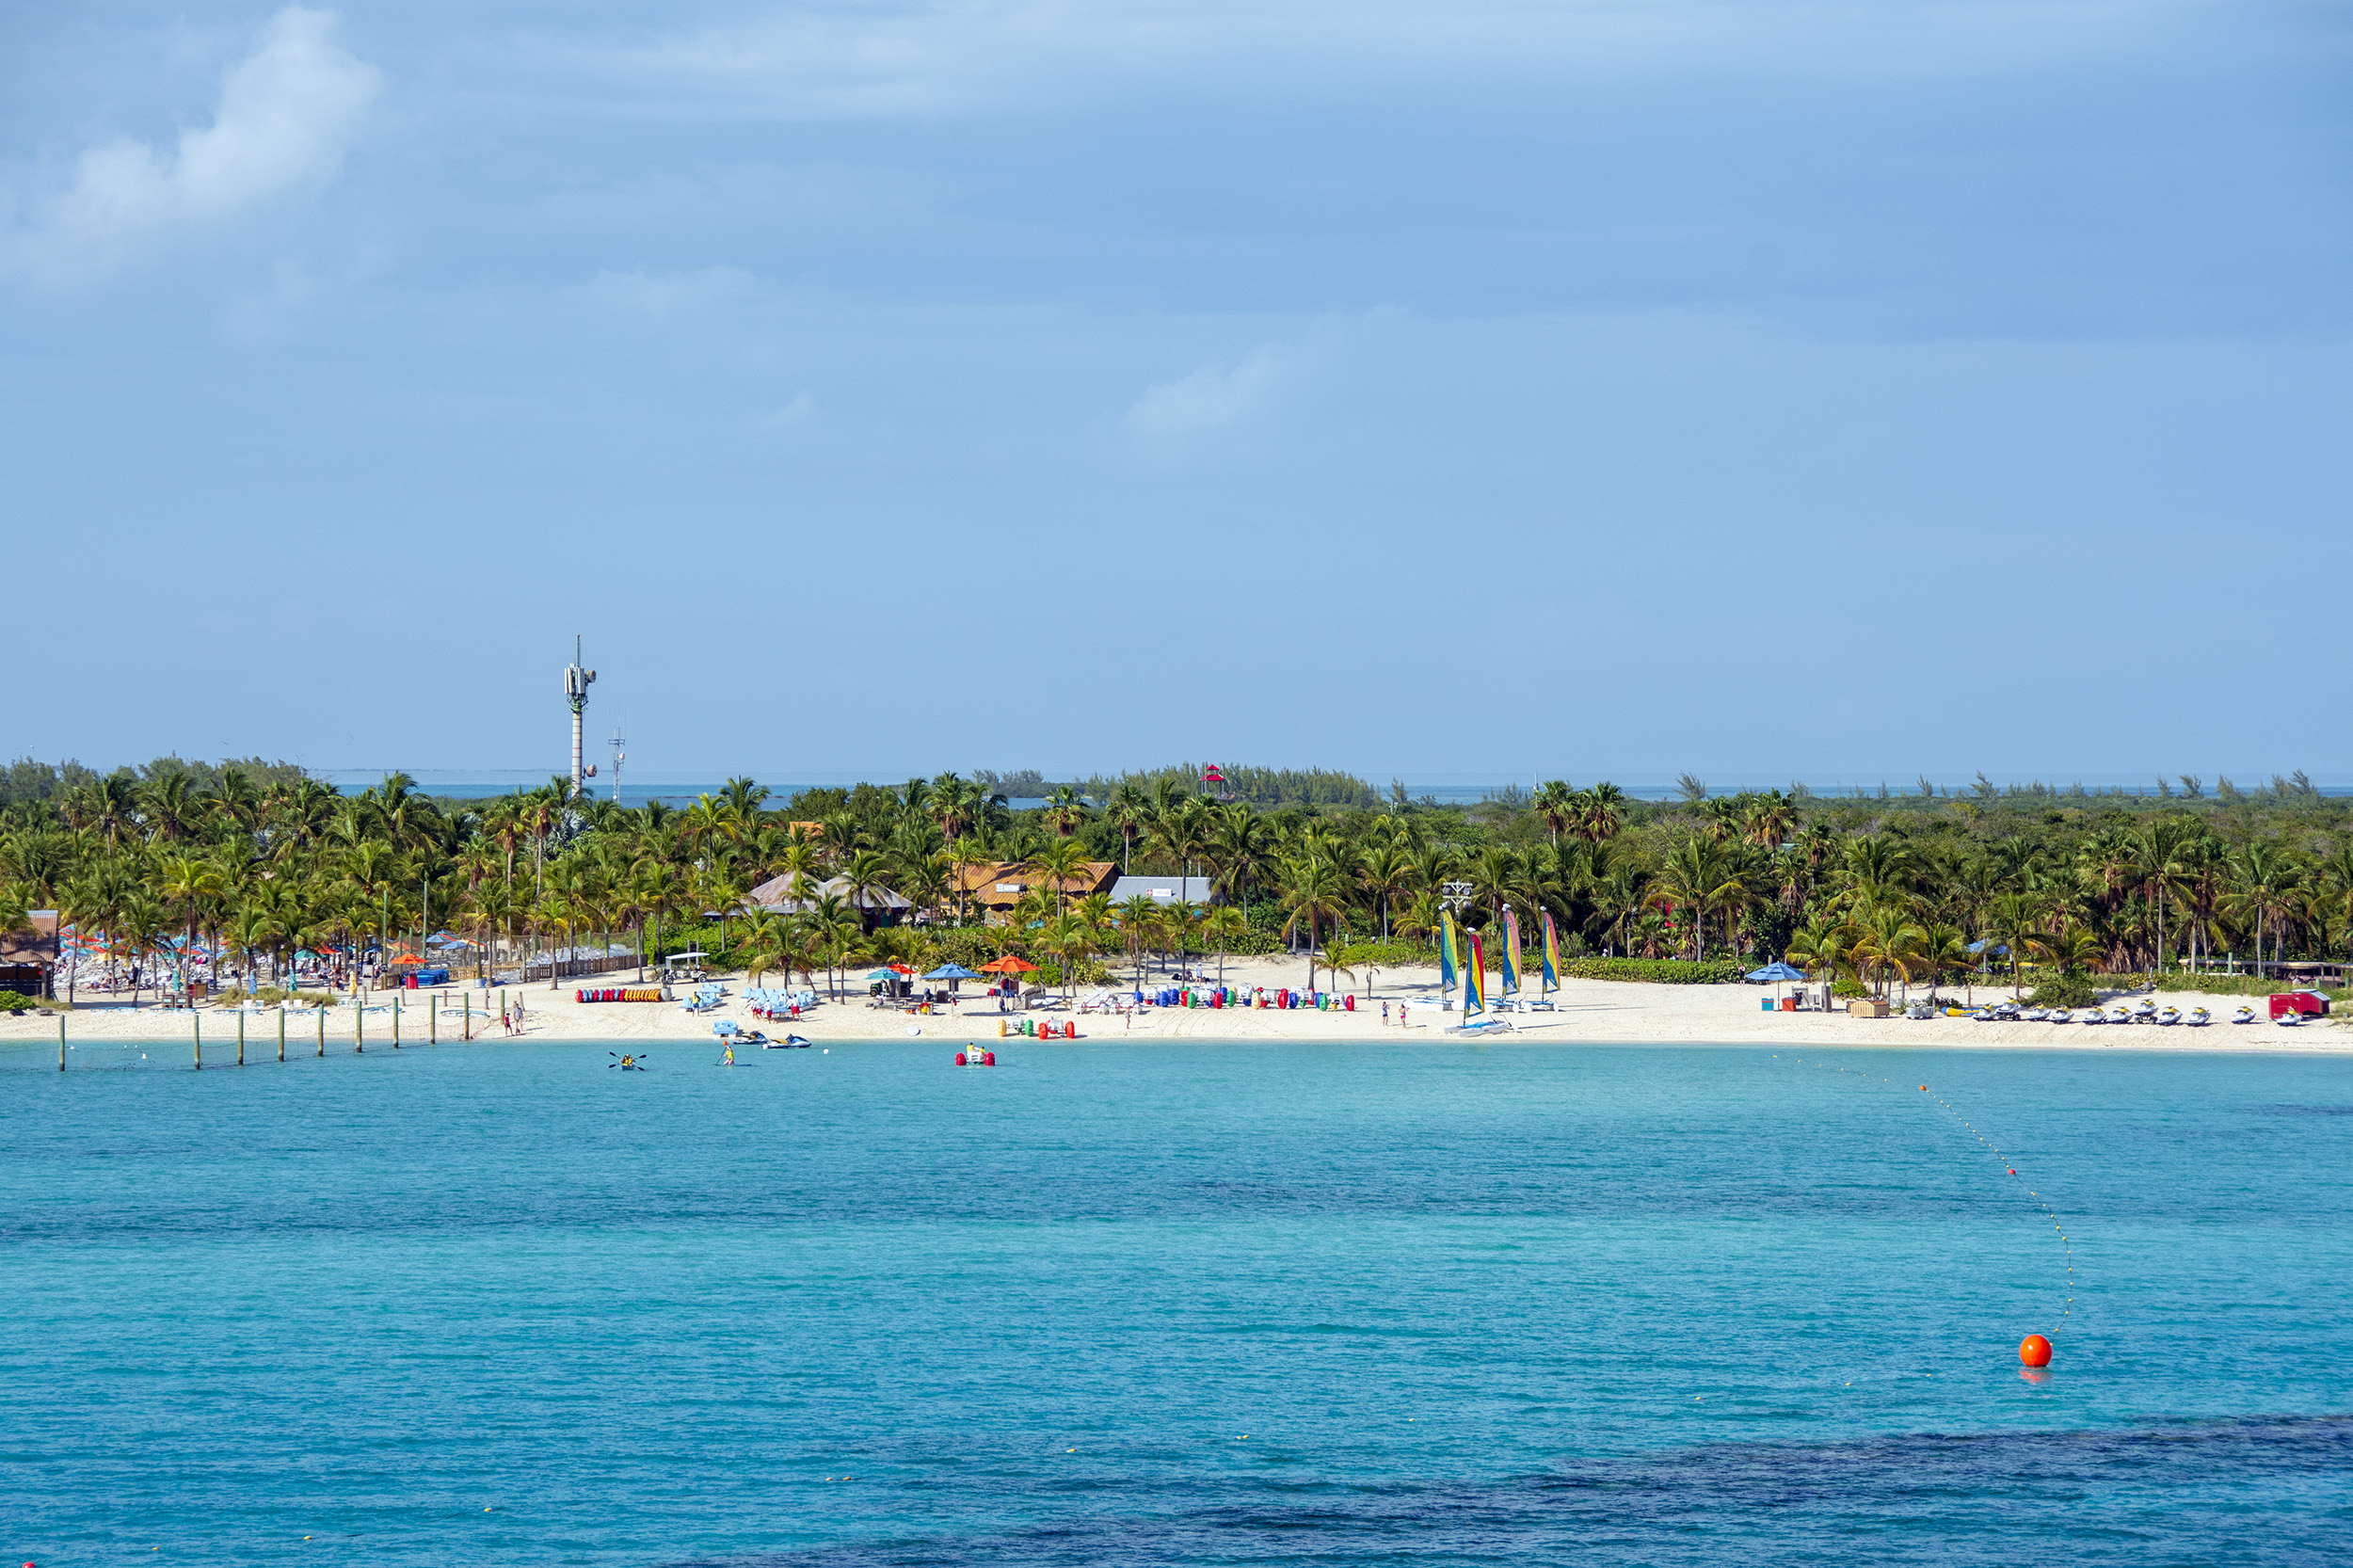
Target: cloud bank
{"points": [[1212, 395], [287, 117]]}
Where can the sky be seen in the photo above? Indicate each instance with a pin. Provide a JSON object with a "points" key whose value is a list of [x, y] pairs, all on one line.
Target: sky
{"points": [[1773, 389]]}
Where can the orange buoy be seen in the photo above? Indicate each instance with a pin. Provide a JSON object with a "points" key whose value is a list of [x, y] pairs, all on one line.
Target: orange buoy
{"points": [[2035, 1350]]}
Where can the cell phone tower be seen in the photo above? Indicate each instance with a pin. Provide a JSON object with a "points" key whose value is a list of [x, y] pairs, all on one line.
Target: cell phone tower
{"points": [[576, 683]]}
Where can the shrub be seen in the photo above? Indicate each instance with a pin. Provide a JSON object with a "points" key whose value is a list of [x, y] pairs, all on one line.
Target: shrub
{"points": [[2240, 985], [2073, 990], [1657, 971], [11, 1002], [1849, 988], [1385, 955]]}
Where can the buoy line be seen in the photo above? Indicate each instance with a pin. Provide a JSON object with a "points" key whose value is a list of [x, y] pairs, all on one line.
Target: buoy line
{"points": [[2035, 1344]]}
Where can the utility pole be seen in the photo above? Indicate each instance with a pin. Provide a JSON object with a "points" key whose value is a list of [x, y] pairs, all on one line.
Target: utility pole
{"points": [[619, 757], [576, 683]]}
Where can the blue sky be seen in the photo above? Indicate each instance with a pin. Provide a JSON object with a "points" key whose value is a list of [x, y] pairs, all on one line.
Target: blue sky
{"points": [[1769, 390]]}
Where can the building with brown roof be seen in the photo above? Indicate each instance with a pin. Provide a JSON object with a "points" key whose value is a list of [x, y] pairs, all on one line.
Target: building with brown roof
{"points": [[996, 886]]}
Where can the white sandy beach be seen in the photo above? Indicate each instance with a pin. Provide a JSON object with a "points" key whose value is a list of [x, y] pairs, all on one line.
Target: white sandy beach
{"points": [[1589, 1011]]}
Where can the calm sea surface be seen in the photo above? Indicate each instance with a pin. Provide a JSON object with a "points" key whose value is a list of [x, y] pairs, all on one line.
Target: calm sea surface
{"points": [[1174, 1304]]}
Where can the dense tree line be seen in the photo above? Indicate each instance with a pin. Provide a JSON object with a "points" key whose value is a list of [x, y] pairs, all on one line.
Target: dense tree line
{"points": [[1880, 888]]}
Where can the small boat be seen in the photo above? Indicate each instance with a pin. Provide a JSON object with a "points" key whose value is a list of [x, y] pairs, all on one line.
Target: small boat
{"points": [[975, 1057], [2289, 1019], [2093, 1016], [2144, 1011], [1482, 1026], [1960, 1013], [791, 1042], [2035, 1014], [2244, 1015], [2169, 1014], [1983, 1015], [2199, 1017], [2120, 1014], [2061, 1016]]}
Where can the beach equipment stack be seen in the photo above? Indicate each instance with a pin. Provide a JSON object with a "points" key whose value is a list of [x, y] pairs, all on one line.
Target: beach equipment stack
{"points": [[619, 993]]}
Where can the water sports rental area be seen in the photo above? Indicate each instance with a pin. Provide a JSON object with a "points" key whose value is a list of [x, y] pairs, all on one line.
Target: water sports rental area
{"points": [[1583, 1011]]}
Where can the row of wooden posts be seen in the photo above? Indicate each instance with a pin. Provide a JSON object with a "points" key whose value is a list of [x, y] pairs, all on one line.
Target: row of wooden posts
{"points": [[359, 1027]]}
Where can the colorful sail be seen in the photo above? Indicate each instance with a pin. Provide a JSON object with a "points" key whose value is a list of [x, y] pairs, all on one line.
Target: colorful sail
{"points": [[1551, 957], [1474, 980], [1511, 953], [1446, 965]]}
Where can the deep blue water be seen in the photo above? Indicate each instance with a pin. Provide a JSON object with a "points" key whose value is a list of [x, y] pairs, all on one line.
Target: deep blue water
{"points": [[1174, 1304]]}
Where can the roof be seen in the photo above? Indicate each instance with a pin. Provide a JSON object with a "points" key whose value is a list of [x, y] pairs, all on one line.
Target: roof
{"points": [[36, 946], [1167, 889], [999, 883], [776, 893]]}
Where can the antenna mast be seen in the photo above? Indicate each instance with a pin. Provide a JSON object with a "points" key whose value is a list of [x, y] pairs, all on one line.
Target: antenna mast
{"points": [[617, 756], [576, 683]]}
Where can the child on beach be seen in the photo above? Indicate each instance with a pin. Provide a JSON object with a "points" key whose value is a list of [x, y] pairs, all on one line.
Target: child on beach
{"points": [[1384, 1013]]}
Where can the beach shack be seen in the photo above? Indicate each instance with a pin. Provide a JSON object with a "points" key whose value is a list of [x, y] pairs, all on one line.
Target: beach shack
{"points": [[876, 906], [28, 958], [995, 887]]}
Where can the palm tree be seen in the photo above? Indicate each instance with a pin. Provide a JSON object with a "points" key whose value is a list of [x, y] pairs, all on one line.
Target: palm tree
{"points": [[1558, 804], [1059, 862], [2265, 885], [2015, 923], [1137, 917], [1223, 925], [1822, 948], [1700, 876], [1313, 888], [1887, 940], [1385, 871], [1130, 812]]}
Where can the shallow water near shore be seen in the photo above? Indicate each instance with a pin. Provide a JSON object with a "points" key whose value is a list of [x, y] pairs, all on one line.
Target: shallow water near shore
{"points": [[1175, 1303]]}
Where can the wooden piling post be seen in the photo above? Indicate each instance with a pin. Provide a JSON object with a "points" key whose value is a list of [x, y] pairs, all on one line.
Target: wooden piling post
{"points": [[396, 1020], [433, 1019], [60, 1041], [281, 1032], [240, 1035], [196, 1023], [469, 1001], [359, 1026]]}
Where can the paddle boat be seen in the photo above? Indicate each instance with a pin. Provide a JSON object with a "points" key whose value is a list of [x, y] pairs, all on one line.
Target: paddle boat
{"points": [[2199, 1017], [2244, 1015], [972, 1056]]}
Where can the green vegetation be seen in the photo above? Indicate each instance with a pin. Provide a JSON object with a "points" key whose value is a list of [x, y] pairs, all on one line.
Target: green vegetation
{"points": [[1877, 892], [11, 1002]]}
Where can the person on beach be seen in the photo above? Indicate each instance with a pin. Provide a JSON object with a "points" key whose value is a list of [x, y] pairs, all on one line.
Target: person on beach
{"points": [[1385, 1015]]}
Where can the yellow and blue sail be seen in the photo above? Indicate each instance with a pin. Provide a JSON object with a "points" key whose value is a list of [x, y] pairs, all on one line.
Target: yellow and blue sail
{"points": [[1446, 965], [1511, 953], [1551, 955], [1473, 980]]}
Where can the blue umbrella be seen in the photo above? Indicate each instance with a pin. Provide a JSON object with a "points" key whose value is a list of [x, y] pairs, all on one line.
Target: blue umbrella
{"points": [[1776, 971], [951, 971]]}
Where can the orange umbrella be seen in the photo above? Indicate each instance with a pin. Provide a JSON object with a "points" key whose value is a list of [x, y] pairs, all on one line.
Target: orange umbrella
{"points": [[1008, 965]]}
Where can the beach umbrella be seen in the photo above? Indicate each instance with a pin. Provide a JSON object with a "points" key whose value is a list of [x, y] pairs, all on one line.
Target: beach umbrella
{"points": [[1008, 965], [951, 971], [1776, 971], [884, 974]]}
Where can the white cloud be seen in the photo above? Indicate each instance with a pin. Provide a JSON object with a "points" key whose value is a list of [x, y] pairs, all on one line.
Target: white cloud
{"points": [[1212, 395], [799, 411], [832, 59], [662, 295], [287, 116]]}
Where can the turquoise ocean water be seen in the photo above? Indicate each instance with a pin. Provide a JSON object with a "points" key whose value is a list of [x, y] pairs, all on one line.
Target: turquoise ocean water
{"points": [[1174, 1304]]}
